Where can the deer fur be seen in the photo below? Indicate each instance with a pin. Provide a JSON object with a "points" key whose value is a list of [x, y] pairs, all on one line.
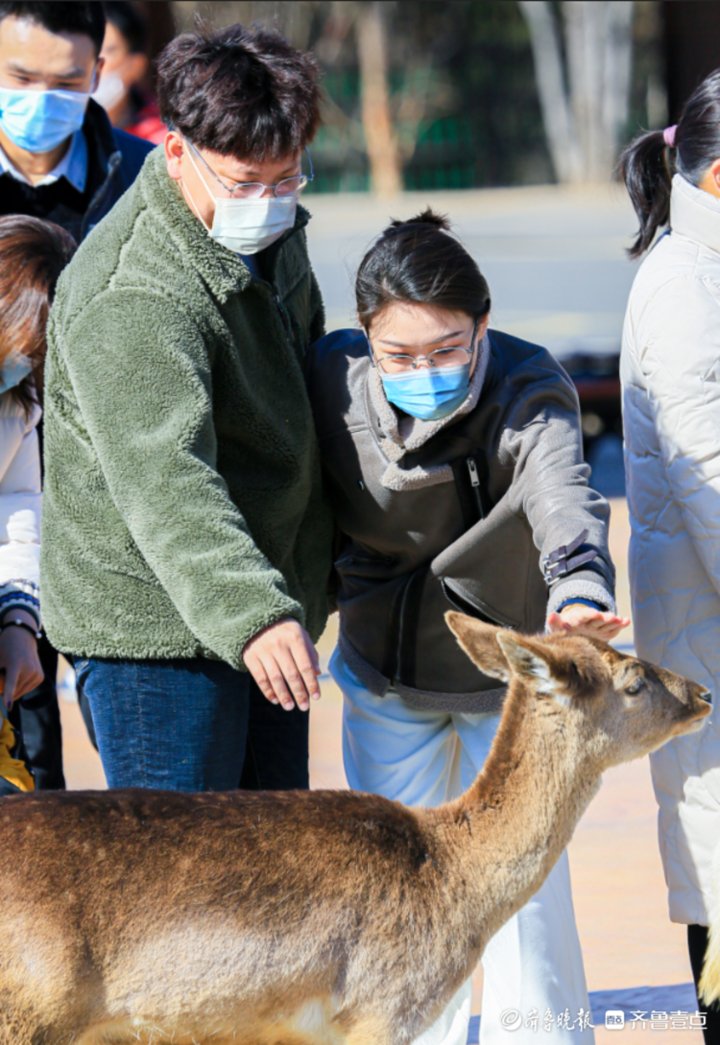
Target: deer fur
{"points": [[311, 918]]}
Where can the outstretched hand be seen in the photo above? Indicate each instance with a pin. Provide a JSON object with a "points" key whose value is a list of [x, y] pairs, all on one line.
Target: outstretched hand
{"points": [[284, 664], [597, 624]]}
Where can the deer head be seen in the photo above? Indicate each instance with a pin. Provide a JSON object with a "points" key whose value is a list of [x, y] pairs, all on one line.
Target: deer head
{"points": [[616, 706]]}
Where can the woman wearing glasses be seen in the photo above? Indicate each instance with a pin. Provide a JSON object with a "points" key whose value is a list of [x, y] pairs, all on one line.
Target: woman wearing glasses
{"points": [[454, 462]]}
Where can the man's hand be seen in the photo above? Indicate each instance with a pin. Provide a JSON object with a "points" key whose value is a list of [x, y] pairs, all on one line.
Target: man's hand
{"points": [[19, 663], [587, 621], [284, 663]]}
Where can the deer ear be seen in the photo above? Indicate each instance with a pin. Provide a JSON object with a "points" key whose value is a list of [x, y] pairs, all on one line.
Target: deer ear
{"points": [[531, 660], [480, 642]]}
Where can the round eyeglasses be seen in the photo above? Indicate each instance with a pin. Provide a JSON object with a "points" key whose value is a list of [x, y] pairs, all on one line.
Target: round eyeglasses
{"points": [[401, 362], [253, 190]]}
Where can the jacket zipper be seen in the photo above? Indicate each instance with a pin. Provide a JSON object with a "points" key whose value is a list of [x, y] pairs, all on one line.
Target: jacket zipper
{"points": [[284, 317], [406, 628], [400, 631], [475, 485], [99, 198]]}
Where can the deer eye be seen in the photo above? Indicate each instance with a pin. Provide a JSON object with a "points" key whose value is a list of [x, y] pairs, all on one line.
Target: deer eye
{"points": [[635, 686]]}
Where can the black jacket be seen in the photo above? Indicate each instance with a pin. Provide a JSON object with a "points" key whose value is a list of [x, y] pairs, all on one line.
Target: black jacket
{"points": [[114, 160]]}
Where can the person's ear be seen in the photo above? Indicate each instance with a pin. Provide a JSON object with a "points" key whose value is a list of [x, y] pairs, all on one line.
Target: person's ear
{"points": [[174, 147], [714, 174], [482, 327]]}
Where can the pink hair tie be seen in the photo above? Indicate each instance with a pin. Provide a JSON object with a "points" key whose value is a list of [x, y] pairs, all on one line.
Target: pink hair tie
{"points": [[669, 136]]}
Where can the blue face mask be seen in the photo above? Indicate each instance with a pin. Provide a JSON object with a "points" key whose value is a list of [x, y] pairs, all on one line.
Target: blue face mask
{"points": [[428, 392], [39, 121], [15, 368]]}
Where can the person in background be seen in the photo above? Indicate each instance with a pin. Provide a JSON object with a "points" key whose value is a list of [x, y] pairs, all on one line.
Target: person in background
{"points": [[32, 255], [60, 160], [186, 544], [120, 90], [453, 458], [670, 373]]}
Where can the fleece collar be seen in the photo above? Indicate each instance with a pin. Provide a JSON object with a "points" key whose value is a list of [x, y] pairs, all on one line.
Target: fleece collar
{"points": [[695, 213], [224, 271], [404, 434]]}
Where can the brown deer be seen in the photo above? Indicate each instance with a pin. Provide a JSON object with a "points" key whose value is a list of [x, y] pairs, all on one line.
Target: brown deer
{"points": [[311, 918]]}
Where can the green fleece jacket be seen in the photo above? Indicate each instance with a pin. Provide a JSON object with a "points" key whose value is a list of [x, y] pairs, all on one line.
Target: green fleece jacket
{"points": [[183, 505]]}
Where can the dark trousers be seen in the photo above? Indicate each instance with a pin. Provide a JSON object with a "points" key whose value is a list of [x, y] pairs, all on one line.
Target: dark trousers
{"points": [[36, 719], [190, 725], [697, 945]]}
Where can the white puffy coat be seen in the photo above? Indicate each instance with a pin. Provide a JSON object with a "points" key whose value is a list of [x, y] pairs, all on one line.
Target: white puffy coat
{"points": [[670, 371], [20, 497]]}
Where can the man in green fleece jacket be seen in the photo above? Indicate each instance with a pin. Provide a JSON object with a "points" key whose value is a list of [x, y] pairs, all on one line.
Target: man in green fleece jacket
{"points": [[186, 543]]}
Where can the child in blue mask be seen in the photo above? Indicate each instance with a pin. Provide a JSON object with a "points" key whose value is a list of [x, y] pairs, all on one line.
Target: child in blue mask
{"points": [[453, 458]]}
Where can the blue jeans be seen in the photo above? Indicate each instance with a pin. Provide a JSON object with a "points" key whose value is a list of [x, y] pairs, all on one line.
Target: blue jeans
{"points": [[190, 725]]}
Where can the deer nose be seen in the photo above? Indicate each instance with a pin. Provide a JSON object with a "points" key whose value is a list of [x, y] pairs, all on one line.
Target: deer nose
{"points": [[706, 695]]}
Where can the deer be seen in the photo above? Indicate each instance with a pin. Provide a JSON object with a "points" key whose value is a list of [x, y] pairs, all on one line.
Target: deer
{"points": [[320, 917]]}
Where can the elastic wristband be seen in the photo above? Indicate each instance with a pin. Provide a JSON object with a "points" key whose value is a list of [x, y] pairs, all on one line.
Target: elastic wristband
{"points": [[582, 602], [33, 609], [21, 624]]}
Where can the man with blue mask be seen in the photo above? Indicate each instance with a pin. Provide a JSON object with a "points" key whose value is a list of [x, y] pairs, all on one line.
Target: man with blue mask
{"points": [[59, 157], [188, 579], [60, 160]]}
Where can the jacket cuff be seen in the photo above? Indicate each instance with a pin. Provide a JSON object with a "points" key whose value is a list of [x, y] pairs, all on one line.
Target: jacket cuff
{"points": [[20, 595], [583, 585]]}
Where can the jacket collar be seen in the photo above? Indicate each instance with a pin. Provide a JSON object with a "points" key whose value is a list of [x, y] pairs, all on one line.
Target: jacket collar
{"points": [[402, 434], [224, 271], [98, 133], [695, 213]]}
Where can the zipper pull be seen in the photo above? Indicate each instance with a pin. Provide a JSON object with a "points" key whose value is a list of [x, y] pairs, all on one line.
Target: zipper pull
{"points": [[475, 484]]}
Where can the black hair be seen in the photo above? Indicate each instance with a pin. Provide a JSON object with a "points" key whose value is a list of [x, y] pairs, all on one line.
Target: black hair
{"points": [[648, 163], [241, 92], [129, 22], [78, 16], [418, 261]]}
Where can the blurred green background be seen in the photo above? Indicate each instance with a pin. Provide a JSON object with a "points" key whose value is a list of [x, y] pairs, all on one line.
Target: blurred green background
{"points": [[454, 94]]}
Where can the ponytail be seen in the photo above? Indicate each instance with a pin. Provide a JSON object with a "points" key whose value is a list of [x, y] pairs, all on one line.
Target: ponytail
{"points": [[645, 167], [648, 163]]}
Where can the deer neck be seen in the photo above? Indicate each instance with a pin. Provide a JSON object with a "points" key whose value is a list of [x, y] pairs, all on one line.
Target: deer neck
{"points": [[514, 822]]}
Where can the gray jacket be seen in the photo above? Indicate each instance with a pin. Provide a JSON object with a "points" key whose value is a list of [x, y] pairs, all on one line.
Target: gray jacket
{"points": [[487, 511]]}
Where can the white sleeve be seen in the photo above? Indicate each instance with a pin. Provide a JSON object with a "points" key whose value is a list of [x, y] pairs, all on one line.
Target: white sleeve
{"points": [[20, 500]]}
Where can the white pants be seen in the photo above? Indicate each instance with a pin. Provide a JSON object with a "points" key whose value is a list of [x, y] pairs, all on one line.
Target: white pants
{"points": [[532, 968]]}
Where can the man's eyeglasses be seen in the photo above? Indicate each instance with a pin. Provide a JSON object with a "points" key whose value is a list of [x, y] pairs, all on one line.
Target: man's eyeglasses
{"points": [[253, 190], [401, 362]]}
